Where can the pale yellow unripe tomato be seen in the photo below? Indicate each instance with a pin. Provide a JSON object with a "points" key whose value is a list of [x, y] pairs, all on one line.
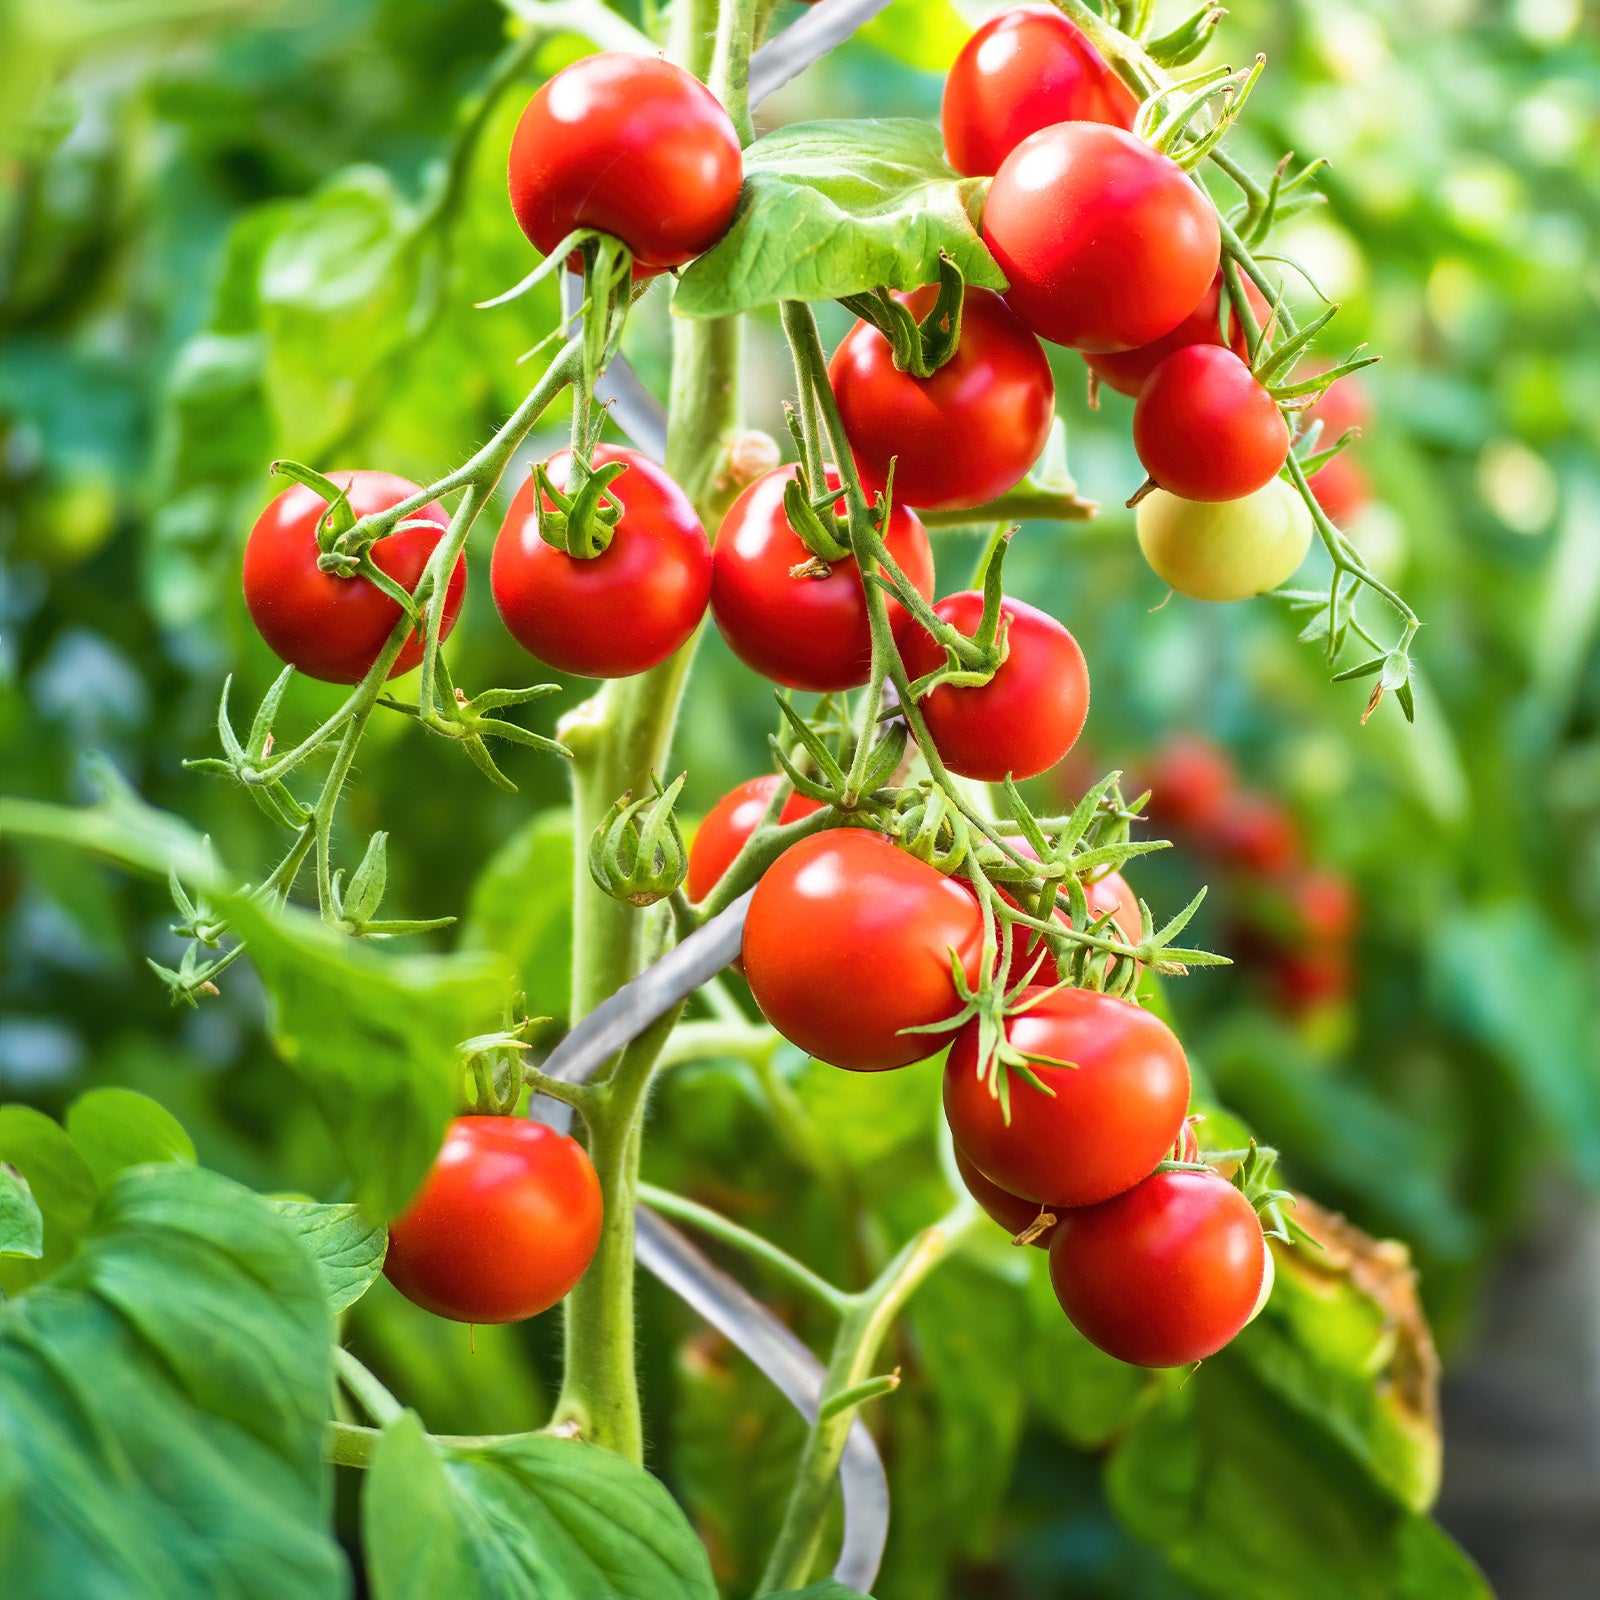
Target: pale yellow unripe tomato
{"points": [[1226, 549]]}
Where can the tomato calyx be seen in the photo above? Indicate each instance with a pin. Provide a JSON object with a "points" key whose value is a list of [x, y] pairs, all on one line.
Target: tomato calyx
{"points": [[637, 854], [970, 661], [918, 348], [1167, 118], [352, 904], [1186, 41], [582, 519], [834, 777], [1251, 1175], [452, 715]]}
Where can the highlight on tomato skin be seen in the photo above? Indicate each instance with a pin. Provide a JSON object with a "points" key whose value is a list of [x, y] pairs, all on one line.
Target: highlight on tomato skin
{"points": [[730, 822], [320, 623], [504, 1225]]}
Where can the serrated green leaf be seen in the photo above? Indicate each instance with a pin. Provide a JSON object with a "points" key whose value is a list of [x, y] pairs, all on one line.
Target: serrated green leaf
{"points": [[21, 1222], [347, 1248], [530, 1517], [118, 1128], [837, 208], [161, 1406]]}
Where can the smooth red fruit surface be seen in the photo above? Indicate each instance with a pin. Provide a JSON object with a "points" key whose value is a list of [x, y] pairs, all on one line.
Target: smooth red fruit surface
{"points": [[323, 625], [632, 146], [966, 434], [849, 940], [1024, 70], [1105, 242], [1191, 782], [1257, 835], [505, 1223], [1204, 428], [1011, 1211], [622, 611], [809, 632], [729, 823], [1126, 370], [1164, 1275], [1027, 716], [1114, 1114]]}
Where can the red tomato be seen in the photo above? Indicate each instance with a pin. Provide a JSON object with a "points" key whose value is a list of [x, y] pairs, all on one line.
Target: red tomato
{"points": [[1110, 892], [1106, 243], [809, 632], [961, 437], [1027, 716], [1114, 1114], [849, 940], [1164, 1275], [1256, 835], [323, 625], [1205, 429], [505, 1223], [1011, 1211], [1304, 980], [632, 146], [1341, 487], [1191, 782], [729, 823], [1024, 70], [1126, 370], [1323, 906], [622, 611]]}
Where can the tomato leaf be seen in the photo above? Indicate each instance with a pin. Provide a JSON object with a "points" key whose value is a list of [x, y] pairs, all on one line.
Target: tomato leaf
{"points": [[161, 1405], [836, 208], [63, 1189], [347, 1248], [530, 1515], [118, 1128], [21, 1223], [374, 1039]]}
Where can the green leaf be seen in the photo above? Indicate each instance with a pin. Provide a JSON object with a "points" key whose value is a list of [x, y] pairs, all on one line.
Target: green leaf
{"points": [[347, 1248], [161, 1406], [117, 1128], [21, 1224], [374, 1039], [63, 1188], [828, 1589], [521, 905], [836, 208], [1248, 1498], [530, 1517]]}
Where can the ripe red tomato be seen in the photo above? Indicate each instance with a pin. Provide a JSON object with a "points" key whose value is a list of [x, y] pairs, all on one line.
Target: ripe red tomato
{"points": [[1024, 70], [1011, 1211], [632, 146], [1323, 906], [1165, 1274], [729, 823], [1126, 370], [1342, 488], [1305, 980], [1106, 243], [965, 435], [622, 611], [1205, 429], [849, 940], [1257, 835], [323, 625], [1191, 782], [808, 632], [1114, 1114], [1027, 716], [505, 1223]]}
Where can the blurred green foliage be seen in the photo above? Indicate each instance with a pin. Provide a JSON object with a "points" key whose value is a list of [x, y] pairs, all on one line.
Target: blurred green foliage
{"points": [[234, 231]]}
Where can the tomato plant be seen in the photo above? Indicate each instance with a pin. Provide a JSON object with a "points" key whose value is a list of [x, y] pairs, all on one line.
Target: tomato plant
{"points": [[506, 1221]]}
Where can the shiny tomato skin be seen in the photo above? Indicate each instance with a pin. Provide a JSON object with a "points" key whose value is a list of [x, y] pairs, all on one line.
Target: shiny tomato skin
{"points": [[632, 146], [1028, 715], [848, 940], [1021, 71], [1113, 1116], [620, 612], [805, 633], [1106, 243], [1225, 549], [729, 823], [966, 434], [1163, 1275], [1011, 1211], [505, 1223], [1205, 430], [326, 626], [1126, 370]]}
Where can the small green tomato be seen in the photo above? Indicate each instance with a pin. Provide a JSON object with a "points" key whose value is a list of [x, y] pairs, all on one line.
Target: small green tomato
{"points": [[1228, 549]]}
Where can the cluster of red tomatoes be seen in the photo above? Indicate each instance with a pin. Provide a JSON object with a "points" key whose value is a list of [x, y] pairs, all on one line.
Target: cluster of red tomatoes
{"points": [[1295, 921]]}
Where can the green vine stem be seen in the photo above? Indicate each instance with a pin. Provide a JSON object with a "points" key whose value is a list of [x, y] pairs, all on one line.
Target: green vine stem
{"points": [[865, 1320]]}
